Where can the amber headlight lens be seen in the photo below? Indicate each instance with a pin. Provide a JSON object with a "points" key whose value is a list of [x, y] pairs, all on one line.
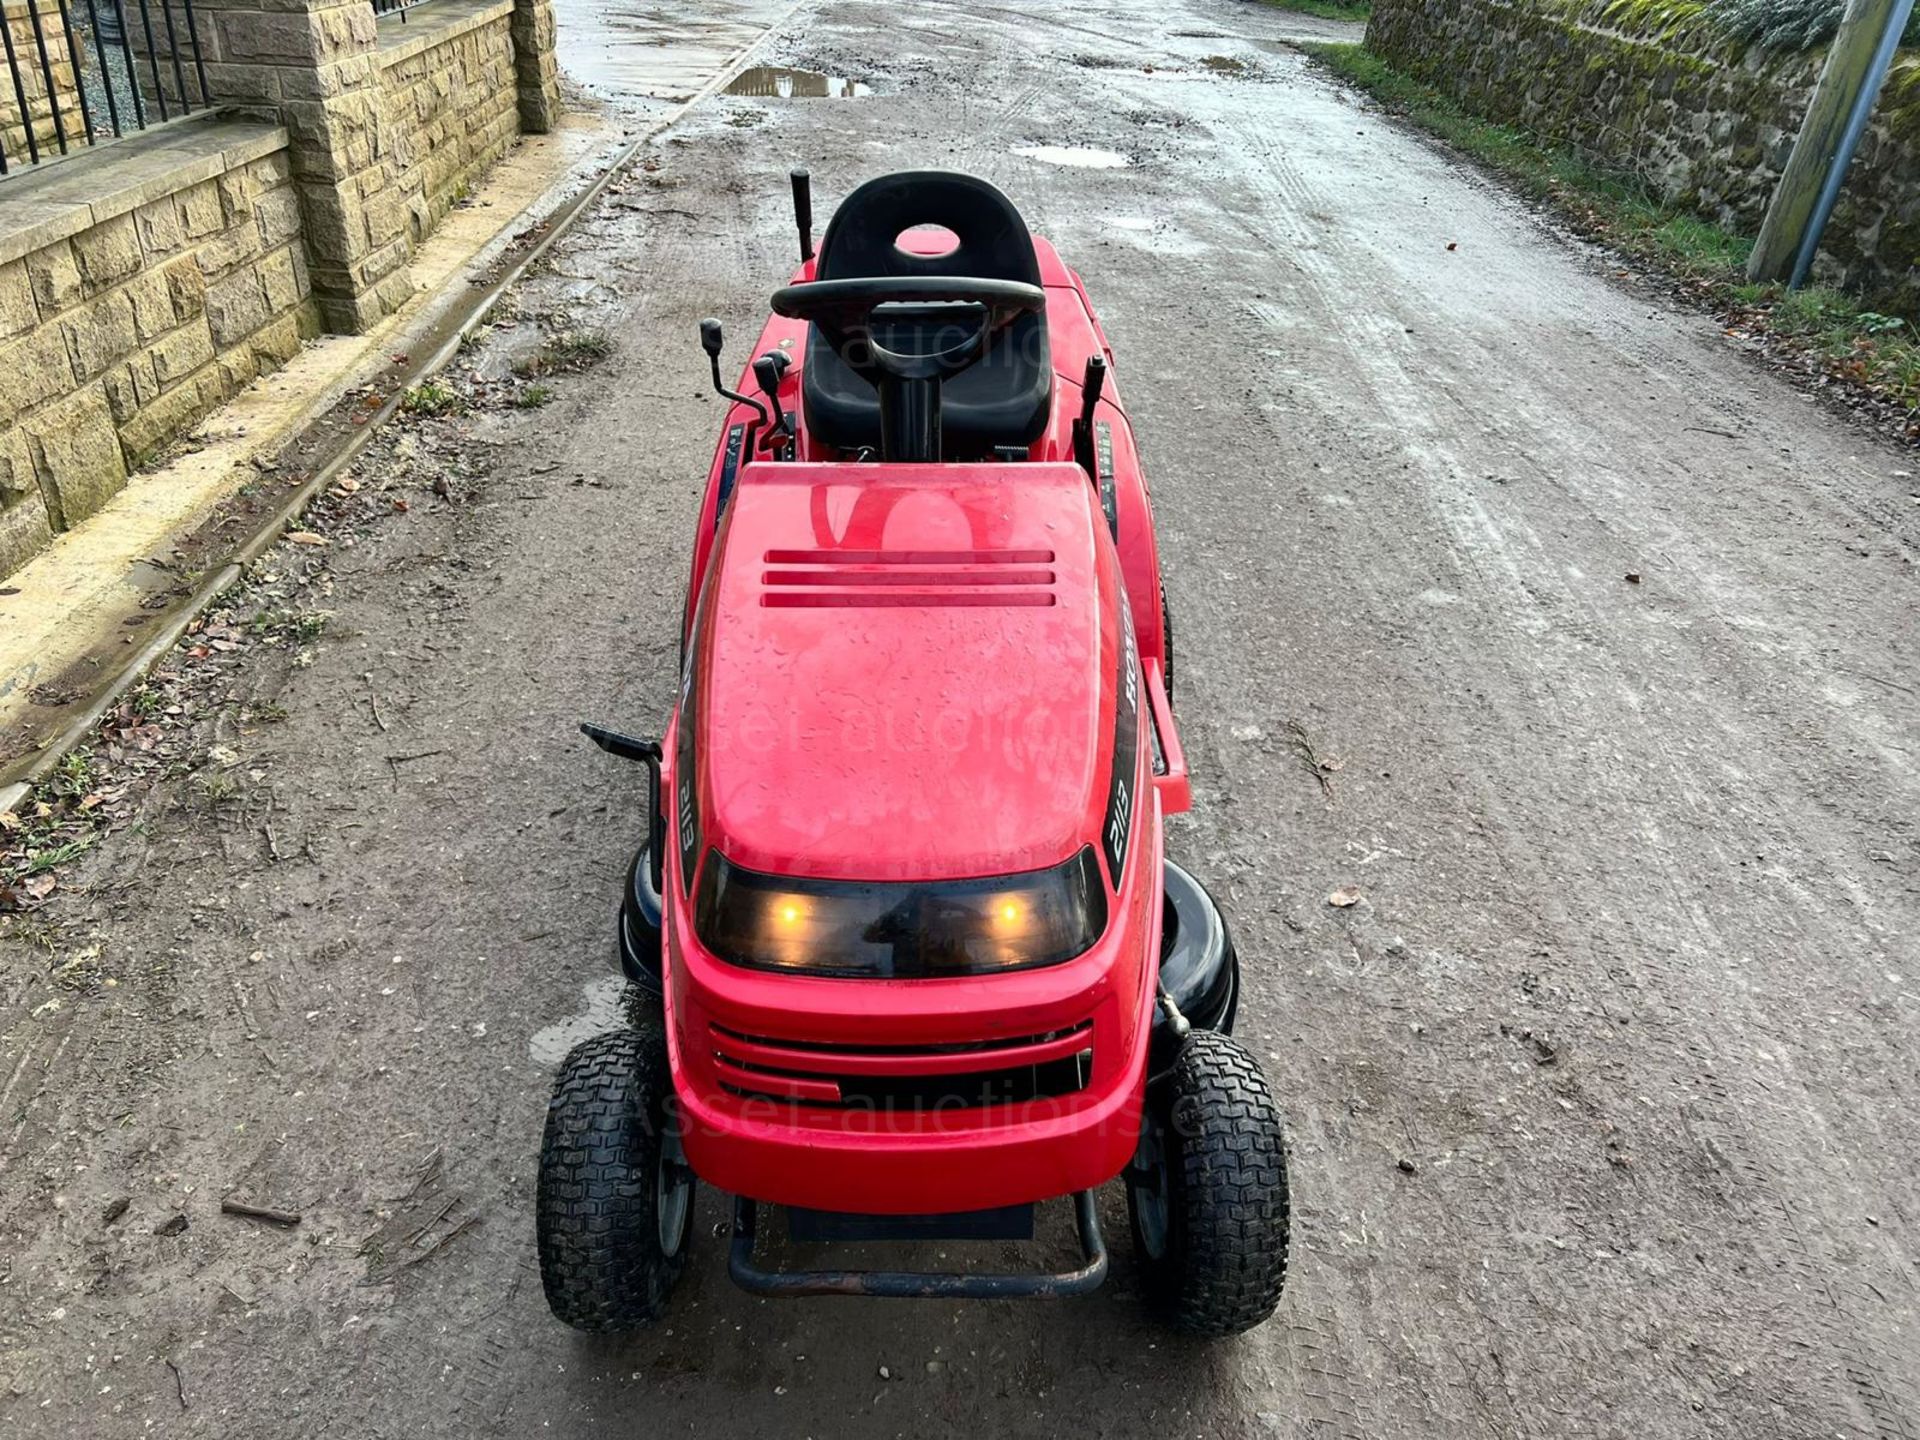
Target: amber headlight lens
{"points": [[948, 927]]}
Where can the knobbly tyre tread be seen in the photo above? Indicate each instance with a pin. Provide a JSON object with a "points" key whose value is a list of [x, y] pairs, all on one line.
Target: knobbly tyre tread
{"points": [[600, 1257], [1227, 1261]]}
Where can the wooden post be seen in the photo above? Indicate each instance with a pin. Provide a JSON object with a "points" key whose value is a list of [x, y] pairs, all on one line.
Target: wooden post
{"points": [[1849, 67]]}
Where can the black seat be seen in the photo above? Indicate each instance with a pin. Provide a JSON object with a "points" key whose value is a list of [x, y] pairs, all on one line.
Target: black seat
{"points": [[1003, 399]]}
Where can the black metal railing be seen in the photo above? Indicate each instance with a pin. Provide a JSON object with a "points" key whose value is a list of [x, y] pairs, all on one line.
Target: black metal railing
{"points": [[84, 71], [395, 7]]}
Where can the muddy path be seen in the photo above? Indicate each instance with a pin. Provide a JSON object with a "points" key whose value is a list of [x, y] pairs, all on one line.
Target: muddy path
{"points": [[1603, 1099]]}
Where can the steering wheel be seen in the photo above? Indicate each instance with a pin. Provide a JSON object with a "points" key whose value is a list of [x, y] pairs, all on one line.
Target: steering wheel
{"points": [[845, 312]]}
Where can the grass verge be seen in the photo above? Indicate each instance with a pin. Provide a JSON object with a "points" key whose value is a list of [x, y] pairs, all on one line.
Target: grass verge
{"points": [[1831, 333], [1358, 10]]}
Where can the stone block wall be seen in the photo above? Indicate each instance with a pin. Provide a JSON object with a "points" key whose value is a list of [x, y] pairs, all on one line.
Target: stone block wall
{"points": [[450, 104], [121, 333], [19, 20], [1651, 90], [144, 282]]}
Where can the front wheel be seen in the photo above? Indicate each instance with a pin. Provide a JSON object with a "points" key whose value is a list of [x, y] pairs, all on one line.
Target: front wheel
{"points": [[1207, 1192], [614, 1206]]}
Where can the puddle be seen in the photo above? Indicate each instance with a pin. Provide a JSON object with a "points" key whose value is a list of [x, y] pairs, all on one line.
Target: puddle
{"points": [[601, 1002], [1079, 156], [779, 82]]}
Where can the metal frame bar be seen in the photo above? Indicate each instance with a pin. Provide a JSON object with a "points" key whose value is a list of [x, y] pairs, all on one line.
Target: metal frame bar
{"points": [[173, 54], [73, 58], [20, 91], [153, 59], [199, 60], [126, 54], [46, 70], [106, 75], [920, 1285]]}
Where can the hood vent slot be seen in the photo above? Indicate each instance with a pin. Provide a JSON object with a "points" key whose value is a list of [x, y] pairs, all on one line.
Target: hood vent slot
{"points": [[840, 578]]}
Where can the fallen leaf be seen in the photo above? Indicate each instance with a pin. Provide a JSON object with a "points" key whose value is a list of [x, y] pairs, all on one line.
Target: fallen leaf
{"points": [[176, 1226], [1453, 245], [1633, 577], [348, 485], [41, 886], [1345, 896], [305, 537]]}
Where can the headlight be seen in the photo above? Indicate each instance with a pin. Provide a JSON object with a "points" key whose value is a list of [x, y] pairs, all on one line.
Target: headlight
{"points": [[887, 931]]}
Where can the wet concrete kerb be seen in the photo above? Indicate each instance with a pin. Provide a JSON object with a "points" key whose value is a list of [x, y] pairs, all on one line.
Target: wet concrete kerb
{"points": [[439, 338]]}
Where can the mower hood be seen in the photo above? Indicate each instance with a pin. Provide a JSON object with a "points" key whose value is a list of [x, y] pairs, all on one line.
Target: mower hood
{"points": [[905, 672]]}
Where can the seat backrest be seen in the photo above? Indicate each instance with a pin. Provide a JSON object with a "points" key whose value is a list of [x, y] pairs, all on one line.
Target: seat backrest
{"points": [[995, 243]]}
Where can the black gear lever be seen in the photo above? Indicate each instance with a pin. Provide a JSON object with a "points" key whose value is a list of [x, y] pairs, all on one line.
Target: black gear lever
{"points": [[711, 339], [767, 372]]}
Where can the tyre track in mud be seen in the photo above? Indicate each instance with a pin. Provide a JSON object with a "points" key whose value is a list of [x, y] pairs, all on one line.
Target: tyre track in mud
{"points": [[1729, 1124], [1527, 599]]}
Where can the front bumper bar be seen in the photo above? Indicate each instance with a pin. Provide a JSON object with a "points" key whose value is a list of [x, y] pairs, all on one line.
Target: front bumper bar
{"points": [[921, 1285]]}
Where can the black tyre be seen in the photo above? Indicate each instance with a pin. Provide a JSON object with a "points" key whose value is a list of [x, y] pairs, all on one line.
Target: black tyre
{"points": [[614, 1207], [1208, 1192]]}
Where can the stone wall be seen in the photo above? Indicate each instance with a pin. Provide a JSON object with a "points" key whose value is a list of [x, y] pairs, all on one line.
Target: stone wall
{"points": [[127, 315], [1652, 91], [388, 117], [451, 106], [145, 281], [19, 20]]}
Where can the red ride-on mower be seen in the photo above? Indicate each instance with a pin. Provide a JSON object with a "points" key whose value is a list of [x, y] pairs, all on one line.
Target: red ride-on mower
{"points": [[910, 954]]}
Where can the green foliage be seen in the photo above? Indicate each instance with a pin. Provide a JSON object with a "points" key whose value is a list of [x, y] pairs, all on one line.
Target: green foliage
{"points": [[41, 861], [1667, 18], [1785, 24], [431, 398], [533, 397], [302, 627], [73, 776], [570, 350], [1328, 9]]}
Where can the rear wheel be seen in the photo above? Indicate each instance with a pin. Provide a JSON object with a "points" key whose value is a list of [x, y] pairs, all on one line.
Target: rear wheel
{"points": [[1207, 1192], [614, 1206]]}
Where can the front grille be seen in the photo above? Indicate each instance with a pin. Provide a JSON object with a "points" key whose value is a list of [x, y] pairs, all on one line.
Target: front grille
{"points": [[959, 1076]]}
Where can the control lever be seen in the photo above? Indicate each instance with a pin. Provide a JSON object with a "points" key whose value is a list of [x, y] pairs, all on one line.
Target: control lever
{"points": [[711, 339], [767, 371], [1092, 383], [803, 210]]}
